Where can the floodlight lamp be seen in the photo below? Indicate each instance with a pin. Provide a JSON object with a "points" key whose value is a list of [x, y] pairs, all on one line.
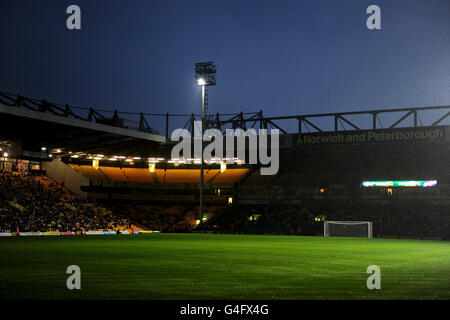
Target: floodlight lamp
{"points": [[205, 73], [201, 82]]}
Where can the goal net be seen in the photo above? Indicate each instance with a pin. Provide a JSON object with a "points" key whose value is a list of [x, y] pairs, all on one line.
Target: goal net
{"points": [[347, 229]]}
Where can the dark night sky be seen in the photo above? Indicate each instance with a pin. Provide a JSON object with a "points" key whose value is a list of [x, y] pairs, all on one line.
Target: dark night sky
{"points": [[284, 57]]}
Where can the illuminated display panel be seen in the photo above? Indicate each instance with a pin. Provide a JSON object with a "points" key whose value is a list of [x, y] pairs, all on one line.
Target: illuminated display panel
{"points": [[406, 183]]}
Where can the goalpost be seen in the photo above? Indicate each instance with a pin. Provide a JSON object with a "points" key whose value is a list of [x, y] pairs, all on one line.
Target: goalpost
{"points": [[347, 229]]}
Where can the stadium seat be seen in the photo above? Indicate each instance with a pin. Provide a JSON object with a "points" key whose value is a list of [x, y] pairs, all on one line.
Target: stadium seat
{"points": [[89, 171], [138, 175], [114, 173], [231, 176]]}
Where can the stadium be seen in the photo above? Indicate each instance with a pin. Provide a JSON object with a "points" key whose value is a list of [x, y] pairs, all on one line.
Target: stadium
{"points": [[224, 159], [99, 189]]}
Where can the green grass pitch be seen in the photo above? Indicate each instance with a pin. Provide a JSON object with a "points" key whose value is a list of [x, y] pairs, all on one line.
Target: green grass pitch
{"points": [[206, 266]]}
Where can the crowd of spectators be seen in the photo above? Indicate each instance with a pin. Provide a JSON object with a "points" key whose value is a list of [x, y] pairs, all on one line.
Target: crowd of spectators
{"points": [[27, 204], [157, 217], [31, 203], [165, 217], [414, 219]]}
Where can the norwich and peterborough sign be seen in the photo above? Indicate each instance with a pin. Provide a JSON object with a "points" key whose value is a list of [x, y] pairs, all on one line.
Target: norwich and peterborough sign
{"points": [[400, 135]]}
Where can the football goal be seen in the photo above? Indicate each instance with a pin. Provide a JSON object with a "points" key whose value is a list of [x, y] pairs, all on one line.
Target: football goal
{"points": [[347, 229]]}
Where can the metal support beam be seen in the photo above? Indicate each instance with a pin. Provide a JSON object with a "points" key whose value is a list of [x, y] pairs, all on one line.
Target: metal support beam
{"points": [[240, 120], [202, 160], [167, 126], [440, 119], [349, 123], [401, 119], [374, 120], [312, 125]]}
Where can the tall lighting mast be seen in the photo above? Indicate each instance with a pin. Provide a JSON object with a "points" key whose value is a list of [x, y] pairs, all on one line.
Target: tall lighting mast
{"points": [[205, 75]]}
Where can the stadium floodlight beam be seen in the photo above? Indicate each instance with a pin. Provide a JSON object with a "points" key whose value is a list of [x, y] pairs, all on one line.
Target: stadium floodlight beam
{"points": [[205, 75]]}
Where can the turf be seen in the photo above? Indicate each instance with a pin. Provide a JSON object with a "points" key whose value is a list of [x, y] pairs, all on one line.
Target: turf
{"points": [[206, 266]]}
